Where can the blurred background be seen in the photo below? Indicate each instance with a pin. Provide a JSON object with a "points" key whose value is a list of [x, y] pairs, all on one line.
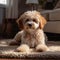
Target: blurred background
{"points": [[10, 11]]}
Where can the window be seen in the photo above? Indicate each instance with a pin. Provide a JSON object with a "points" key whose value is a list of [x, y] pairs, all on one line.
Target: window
{"points": [[4, 2]]}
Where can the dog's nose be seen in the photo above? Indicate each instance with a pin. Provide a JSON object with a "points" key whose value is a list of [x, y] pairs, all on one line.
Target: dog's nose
{"points": [[29, 25]]}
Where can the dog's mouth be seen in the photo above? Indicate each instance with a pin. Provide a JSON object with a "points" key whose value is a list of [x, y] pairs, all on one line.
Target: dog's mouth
{"points": [[30, 28]]}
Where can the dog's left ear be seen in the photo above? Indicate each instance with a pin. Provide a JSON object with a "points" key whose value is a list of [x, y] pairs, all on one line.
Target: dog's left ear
{"points": [[42, 22]]}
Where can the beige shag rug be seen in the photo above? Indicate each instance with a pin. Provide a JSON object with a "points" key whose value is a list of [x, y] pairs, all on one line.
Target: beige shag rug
{"points": [[7, 51], [53, 45]]}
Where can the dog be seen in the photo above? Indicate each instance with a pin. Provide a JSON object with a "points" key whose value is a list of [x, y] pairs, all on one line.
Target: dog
{"points": [[31, 35]]}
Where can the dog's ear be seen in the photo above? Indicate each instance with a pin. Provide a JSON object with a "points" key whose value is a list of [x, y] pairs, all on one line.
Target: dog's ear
{"points": [[20, 22], [42, 22]]}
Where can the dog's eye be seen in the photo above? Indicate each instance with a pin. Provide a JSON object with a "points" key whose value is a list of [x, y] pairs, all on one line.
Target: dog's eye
{"points": [[34, 20], [27, 20]]}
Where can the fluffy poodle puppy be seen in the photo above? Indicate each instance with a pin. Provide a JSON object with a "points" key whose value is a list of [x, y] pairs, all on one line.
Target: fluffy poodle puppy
{"points": [[32, 35]]}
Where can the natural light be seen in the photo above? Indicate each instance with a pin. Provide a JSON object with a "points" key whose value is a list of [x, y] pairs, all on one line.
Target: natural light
{"points": [[3, 1]]}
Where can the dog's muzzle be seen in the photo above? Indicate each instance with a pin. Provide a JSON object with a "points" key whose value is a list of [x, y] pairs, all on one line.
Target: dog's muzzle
{"points": [[30, 25]]}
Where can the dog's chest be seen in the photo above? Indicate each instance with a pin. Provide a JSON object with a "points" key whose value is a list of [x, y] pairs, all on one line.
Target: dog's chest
{"points": [[29, 39], [32, 39]]}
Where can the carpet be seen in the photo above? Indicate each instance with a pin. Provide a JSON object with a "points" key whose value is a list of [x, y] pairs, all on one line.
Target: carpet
{"points": [[7, 51]]}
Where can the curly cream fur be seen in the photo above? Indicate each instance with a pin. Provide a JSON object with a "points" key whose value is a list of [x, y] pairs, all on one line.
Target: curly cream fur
{"points": [[33, 36]]}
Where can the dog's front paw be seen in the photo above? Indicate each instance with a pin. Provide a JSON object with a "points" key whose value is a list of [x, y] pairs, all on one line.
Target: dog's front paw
{"points": [[23, 48], [42, 48]]}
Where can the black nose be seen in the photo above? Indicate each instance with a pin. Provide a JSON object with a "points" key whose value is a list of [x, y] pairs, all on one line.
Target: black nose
{"points": [[29, 25]]}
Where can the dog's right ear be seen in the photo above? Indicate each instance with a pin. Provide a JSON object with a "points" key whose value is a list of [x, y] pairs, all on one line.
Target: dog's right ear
{"points": [[20, 22]]}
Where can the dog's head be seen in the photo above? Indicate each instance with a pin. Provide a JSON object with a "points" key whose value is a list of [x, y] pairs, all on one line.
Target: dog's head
{"points": [[31, 20]]}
